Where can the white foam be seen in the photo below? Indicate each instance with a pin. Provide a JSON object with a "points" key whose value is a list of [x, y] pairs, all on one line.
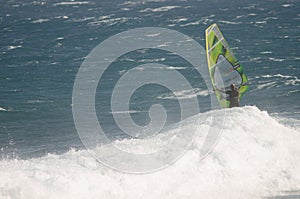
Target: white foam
{"points": [[141, 68], [191, 23], [71, 3], [60, 38], [178, 20], [294, 82], [125, 9], [287, 5], [290, 93], [252, 14], [14, 47], [160, 9], [185, 94], [255, 157], [244, 16], [266, 52], [271, 18], [288, 80], [150, 60], [106, 20], [123, 112], [255, 59], [276, 59], [134, 3], [129, 3], [283, 76], [83, 19], [41, 3], [261, 22], [40, 21], [61, 17], [230, 22], [267, 85], [153, 35]]}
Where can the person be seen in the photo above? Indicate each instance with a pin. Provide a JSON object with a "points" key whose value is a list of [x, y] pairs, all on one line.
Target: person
{"points": [[233, 94]]}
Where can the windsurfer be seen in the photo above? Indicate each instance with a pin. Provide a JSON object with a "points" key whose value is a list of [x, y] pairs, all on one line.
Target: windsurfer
{"points": [[233, 94]]}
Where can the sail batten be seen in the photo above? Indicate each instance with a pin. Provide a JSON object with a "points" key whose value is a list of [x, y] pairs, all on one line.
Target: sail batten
{"points": [[210, 49]]}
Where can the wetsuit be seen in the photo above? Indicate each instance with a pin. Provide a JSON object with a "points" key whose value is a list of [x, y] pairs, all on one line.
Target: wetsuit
{"points": [[233, 98]]}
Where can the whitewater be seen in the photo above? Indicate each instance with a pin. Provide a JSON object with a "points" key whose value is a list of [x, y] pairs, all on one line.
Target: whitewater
{"points": [[255, 157], [44, 43]]}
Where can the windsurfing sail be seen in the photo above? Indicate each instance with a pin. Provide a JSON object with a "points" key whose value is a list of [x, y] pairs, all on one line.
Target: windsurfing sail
{"points": [[224, 68]]}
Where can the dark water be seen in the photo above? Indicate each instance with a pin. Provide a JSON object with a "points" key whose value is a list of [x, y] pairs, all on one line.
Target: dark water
{"points": [[43, 43]]}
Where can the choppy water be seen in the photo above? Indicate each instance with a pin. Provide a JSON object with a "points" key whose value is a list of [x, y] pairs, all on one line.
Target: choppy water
{"points": [[42, 45]]}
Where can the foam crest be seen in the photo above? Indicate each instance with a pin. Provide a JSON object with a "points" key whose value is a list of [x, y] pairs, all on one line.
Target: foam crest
{"points": [[255, 157]]}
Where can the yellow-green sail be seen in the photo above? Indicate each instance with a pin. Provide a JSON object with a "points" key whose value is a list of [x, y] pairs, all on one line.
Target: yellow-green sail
{"points": [[224, 68]]}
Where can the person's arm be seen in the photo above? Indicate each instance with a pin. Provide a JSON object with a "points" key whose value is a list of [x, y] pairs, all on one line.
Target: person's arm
{"points": [[228, 92], [222, 91]]}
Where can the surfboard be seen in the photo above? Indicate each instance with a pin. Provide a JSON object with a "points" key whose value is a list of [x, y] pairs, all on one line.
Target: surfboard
{"points": [[223, 66]]}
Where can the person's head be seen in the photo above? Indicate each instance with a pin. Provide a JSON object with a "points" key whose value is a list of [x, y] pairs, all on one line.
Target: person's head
{"points": [[232, 86]]}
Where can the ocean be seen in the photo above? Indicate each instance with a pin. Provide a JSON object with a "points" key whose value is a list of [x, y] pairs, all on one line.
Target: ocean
{"points": [[256, 153]]}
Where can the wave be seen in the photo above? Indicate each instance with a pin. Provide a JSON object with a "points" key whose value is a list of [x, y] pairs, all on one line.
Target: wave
{"points": [[160, 9], [3, 109], [185, 94], [276, 59], [72, 3], [123, 112], [230, 22], [266, 52], [135, 3], [276, 80], [40, 21], [192, 23], [141, 68], [106, 20], [14, 47], [287, 5], [255, 157]]}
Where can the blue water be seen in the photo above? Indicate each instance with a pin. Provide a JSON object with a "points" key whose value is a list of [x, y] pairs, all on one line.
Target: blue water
{"points": [[43, 44]]}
